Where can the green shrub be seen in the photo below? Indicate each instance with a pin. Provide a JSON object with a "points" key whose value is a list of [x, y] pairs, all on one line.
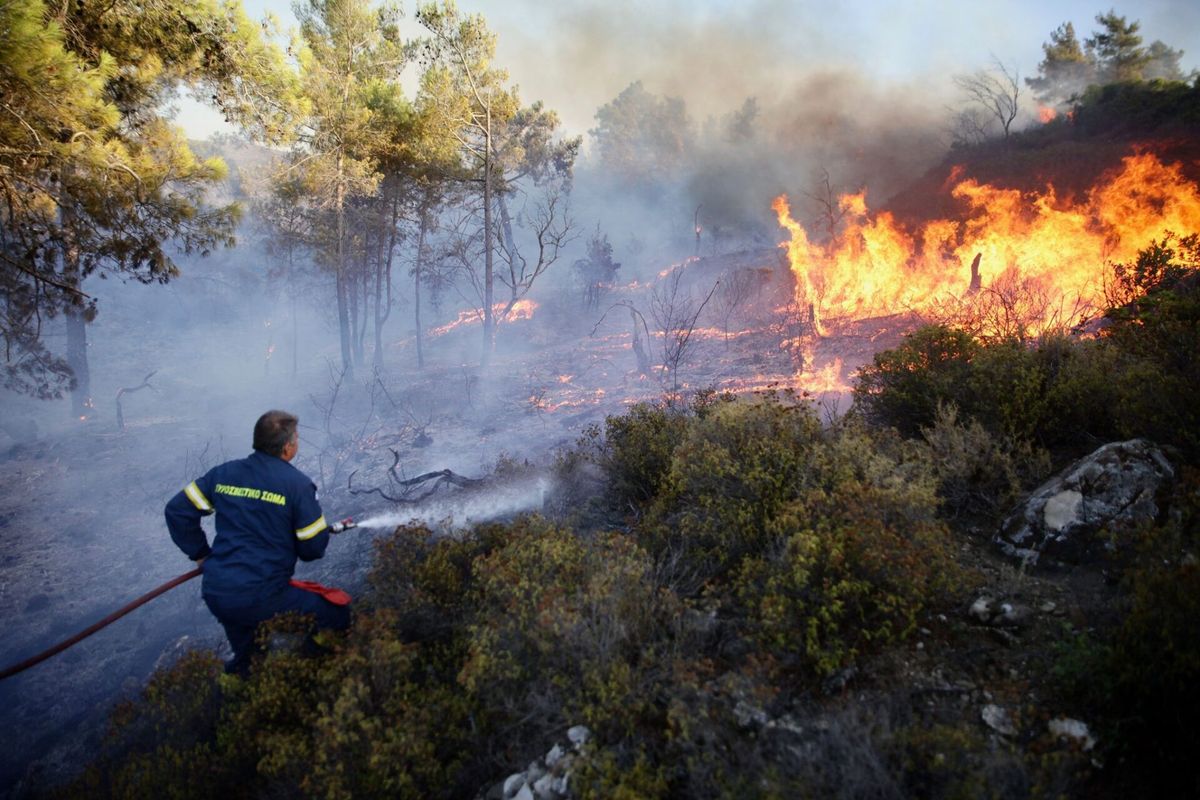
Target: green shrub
{"points": [[902, 387], [1158, 330], [1080, 394], [979, 474], [426, 580], [730, 474], [570, 625], [606, 774], [1137, 108], [636, 453], [161, 745], [1136, 681], [633, 453], [846, 582]]}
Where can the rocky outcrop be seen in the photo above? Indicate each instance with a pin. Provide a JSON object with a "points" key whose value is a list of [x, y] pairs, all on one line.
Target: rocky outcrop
{"points": [[1114, 489], [546, 778]]}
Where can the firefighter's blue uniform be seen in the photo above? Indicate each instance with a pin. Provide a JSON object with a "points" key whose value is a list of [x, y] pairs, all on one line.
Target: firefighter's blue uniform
{"points": [[267, 517]]}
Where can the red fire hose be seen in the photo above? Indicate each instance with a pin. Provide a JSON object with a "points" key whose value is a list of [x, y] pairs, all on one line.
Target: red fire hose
{"points": [[88, 631]]}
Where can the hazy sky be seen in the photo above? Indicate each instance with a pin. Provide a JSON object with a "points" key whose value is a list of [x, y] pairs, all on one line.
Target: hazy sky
{"points": [[576, 55]]}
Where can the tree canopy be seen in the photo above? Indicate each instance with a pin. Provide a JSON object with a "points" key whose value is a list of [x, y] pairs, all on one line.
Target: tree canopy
{"points": [[93, 176], [1114, 53]]}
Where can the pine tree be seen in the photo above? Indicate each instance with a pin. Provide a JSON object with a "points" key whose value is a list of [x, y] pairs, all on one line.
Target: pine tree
{"points": [[1065, 71], [470, 103], [1163, 63], [1117, 49], [500, 144], [94, 178], [348, 51]]}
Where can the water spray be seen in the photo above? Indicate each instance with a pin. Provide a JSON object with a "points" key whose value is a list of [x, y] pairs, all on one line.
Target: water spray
{"points": [[460, 512], [445, 513]]}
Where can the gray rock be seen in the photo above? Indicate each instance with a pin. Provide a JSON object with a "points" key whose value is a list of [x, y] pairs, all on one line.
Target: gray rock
{"points": [[988, 610], [555, 755], [787, 723], [1114, 489], [543, 789], [579, 735], [981, 609], [513, 784], [749, 716], [998, 720], [1073, 729]]}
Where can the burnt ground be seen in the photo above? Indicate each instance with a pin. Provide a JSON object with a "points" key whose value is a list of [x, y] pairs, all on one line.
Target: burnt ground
{"points": [[80, 502]]}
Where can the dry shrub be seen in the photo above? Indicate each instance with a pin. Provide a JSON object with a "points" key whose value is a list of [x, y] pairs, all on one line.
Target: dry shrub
{"points": [[979, 474]]}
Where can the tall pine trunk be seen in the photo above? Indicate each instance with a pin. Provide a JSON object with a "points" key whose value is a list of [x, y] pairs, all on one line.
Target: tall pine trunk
{"points": [[295, 319], [343, 289], [358, 310], [417, 283], [489, 324], [76, 321], [383, 283]]}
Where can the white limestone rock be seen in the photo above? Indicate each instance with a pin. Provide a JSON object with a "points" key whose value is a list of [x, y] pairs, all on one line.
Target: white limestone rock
{"points": [[1114, 489], [997, 718]]}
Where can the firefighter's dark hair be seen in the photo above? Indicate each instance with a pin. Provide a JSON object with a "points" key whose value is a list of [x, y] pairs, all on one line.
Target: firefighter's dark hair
{"points": [[273, 431]]}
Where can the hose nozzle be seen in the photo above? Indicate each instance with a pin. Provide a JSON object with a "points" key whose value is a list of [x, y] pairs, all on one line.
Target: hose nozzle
{"points": [[342, 525]]}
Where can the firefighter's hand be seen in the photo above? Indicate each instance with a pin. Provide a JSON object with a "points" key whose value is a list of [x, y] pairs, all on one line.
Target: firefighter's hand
{"points": [[200, 561]]}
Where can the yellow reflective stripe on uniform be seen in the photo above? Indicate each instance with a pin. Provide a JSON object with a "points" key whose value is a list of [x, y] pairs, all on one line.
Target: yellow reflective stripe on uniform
{"points": [[197, 497], [309, 531]]}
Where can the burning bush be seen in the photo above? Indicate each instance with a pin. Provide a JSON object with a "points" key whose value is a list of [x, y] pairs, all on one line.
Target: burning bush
{"points": [[1139, 379]]}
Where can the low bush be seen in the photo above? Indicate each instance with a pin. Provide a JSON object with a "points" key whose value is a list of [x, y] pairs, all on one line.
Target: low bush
{"points": [[979, 475], [846, 582], [902, 387], [1136, 680]]}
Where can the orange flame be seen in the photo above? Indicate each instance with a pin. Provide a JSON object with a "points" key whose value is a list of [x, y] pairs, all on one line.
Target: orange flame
{"points": [[1046, 114], [522, 309], [1028, 244], [819, 381]]}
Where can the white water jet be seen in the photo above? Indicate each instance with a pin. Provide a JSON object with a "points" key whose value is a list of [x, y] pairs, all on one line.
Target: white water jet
{"points": [[463, 511]]}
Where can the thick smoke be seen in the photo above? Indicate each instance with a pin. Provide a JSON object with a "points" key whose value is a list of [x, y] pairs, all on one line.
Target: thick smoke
{"points": [[830, 131]]}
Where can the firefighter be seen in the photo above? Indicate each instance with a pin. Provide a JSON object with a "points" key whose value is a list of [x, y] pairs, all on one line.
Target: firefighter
{"points": [[267, 517]]}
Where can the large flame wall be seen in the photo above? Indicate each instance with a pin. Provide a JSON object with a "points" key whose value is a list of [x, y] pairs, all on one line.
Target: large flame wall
{"points": [[1063, 248]]}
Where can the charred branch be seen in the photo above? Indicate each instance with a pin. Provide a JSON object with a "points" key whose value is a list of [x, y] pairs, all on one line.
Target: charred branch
{"points": [[410, 491], [145, 384]]}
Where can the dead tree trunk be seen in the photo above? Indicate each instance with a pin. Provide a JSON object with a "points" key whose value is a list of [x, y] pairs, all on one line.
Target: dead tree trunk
{"points": [[639, 350], [129, 390]]}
